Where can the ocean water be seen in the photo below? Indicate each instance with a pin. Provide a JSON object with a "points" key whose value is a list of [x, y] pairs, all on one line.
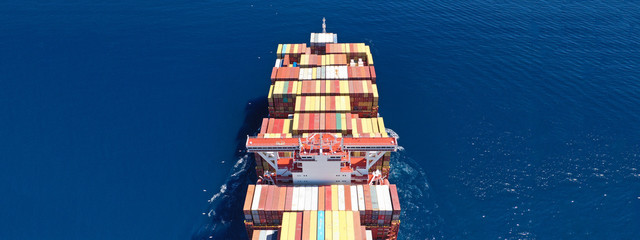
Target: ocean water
{"points": [[127, 119]]}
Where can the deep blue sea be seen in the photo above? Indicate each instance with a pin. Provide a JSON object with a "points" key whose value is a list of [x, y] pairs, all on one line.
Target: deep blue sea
{"points": [[127, 119]]}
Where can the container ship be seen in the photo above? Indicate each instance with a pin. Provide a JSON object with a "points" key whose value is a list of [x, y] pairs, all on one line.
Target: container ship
{"points": [[322, 156]]}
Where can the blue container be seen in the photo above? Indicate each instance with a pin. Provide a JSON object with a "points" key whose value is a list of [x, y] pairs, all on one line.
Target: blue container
{"points": [[284, 50], [320, 225]]}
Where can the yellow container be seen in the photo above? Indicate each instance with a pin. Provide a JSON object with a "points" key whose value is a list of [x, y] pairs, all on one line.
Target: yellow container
{"points": [[328, 225], [327, 87], [277, 89], [374, 87], [284, 231], [374, 125], [350, 230], [318, 85], [279, 51], [343, 225], [336, 225], [296, 121], [383, 130], [354, 128], [347, 101], [313, 225], [304, 57], [364, 87], [318, 103], [292, 225], [344, 87], [287, 126], [308, 104], [297, 109], [362, 48]]}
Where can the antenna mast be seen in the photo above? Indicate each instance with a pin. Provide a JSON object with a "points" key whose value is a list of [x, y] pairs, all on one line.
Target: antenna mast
{"points": [[324, 26]]}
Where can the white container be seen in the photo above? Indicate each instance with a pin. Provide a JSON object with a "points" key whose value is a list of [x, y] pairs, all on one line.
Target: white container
{"points": [[336, 224], [314, 204], [321, 72], [343, 72], [305, 74], [302, 192], [308, 201], [341, 205], [354, 198], [294, 199], [381, 203], [263, 235], [256, 199], [361, 204], [388, 199]]}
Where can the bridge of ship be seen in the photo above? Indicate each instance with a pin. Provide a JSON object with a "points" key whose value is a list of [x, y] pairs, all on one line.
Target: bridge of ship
{"points": [[321, 146]]}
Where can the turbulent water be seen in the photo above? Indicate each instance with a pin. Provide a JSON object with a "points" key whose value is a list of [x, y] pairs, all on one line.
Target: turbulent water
{"points": [[127, 119]]}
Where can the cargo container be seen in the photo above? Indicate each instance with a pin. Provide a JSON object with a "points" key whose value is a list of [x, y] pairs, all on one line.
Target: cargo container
{"points": [[322, 155], [374, 205]]}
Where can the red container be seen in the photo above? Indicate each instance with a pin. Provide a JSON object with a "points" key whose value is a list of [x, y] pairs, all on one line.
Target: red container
{"points": [[327, 202], [247, 202], [367, 203], [298, 235], [287, 204], [306, 220], [271, 125], [372, 71], [263, 127], [347, 198], [274, 72], [321, 198], [286, 61], [357, 228], [395, 202]]}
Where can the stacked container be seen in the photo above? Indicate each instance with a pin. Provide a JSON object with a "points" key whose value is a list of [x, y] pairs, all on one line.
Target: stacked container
{"points": [[299, 211], [282, 97], [320, 40], [265, 235], [326, 87], [291, 51]]}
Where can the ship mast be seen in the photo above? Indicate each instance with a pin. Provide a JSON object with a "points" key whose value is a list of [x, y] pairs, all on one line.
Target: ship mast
{"points": [[324, 26]]}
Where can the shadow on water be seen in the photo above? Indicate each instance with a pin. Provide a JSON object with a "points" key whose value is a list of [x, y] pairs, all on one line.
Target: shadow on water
{"points": [[224, 217]]}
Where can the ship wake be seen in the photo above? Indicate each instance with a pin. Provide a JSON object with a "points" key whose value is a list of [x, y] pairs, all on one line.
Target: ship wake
{"points": [[419, 208], [223, 217]]}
